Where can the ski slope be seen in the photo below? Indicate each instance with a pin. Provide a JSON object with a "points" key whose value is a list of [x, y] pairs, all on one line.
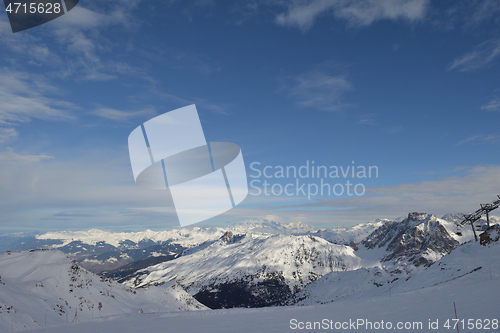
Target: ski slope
{"points": [[45, 288], [427, 297]]}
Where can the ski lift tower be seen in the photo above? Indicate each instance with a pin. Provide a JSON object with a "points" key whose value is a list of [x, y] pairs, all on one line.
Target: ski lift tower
{"points": [[485, 209], [489, 207]]}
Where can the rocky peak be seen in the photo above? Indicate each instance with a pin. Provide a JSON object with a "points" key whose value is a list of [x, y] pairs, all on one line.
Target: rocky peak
{"points": [[229, 237], [491, 235], [416, 216], [418, 239], [419, 217]]}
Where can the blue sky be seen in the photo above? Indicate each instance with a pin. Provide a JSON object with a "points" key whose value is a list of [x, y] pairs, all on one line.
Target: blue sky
{"points": [[409, 86]]}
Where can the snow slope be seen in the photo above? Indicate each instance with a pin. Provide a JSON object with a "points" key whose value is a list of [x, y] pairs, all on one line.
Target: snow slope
{"points": [[46, 288], [429, 297], [468, 265], [39, 283]]}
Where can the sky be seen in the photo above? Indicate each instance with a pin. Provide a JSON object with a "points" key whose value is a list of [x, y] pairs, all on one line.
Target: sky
{"points": [[410, 88]]}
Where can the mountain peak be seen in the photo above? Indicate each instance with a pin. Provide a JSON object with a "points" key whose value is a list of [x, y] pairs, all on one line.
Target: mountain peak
{"points": [[416, 216], [272, 227], [420, 238], [229, 237]]}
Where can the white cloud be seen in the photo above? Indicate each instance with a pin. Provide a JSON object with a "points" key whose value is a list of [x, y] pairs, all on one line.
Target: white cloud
{"points": [[120, 115], [484, 10], [460, 192], [493, 105], [317, 89], [482, 55], [7, 134], [26, 45], [35, 189], [22, 97], [79, 35], [367, 119], [12, 157], [303, 13], [476, 139]]}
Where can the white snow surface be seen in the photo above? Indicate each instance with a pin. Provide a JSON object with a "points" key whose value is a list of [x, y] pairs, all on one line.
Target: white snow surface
{"points": [[469, 263], [45, 288], [427, 297]]}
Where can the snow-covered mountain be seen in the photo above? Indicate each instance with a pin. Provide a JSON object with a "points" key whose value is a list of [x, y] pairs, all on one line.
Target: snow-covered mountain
{"points": [[250, 269], [469, 263], [458, 286], [468, 276], [348, 235], [263, 263], [184, 237], [113, 262], [271, 227], [420, 239], [45, 288], [119, 253], [257, 267]]}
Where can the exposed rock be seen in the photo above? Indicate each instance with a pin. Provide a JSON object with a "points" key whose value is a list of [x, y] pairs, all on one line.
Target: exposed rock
{"points": [[419, 239], [492, 234]]}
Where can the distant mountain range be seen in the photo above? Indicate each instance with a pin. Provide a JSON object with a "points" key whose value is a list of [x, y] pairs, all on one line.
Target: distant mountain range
{"points": [[265, 263]]}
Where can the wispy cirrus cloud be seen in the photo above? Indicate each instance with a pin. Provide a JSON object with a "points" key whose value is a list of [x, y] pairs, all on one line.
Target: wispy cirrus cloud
{"points": [[79, 33], [480, 139], [317, 89], [483, 54], [7, 134], [461, 190], [122, 115], [303, 13], [24, 96], [367, 119], [80, 36], [40, 187], [493, 105], [18, 159], [484, 10]]}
